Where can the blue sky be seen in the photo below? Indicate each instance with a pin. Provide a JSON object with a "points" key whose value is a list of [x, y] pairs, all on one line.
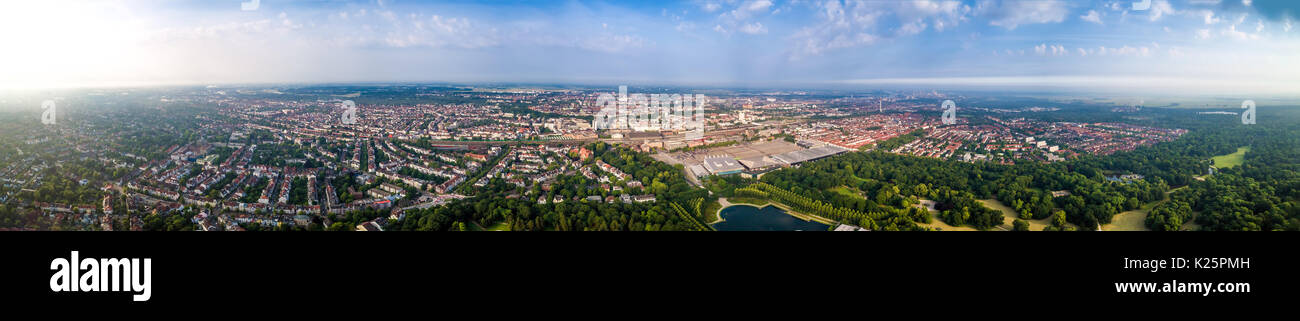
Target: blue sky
{"points": [[1232, 46]]}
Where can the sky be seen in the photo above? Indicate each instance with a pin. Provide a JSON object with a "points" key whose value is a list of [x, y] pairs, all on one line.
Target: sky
{"points": [[1192, 46]]}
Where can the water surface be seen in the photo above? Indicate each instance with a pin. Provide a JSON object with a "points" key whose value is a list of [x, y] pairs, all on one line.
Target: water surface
{"points": [[768, 218]]}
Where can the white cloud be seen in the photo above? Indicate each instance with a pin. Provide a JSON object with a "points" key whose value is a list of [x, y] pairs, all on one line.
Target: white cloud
{"points": [[739, 18], [685, 26], [1053, 50], [1130, 51], [844, 24], [1209, 17], [227, 30], [383, 28], [911, 28], [941, 13], [438, 31], [1012, 14], [755, 28], [1159, 8], [612, 43], [835, 29], [1203, 34], [1232, 32], [1092, 17], [746, 10], [808, 43], [710, 6], [755, 6]]}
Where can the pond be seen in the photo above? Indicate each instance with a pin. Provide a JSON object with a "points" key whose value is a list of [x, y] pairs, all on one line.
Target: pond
{"points": [[768, 218]]}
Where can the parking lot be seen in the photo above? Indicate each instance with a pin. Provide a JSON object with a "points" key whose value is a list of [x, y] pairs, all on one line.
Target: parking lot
{"points": [[742, 151]]}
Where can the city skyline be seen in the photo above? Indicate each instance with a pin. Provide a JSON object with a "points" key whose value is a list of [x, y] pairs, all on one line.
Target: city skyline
{"points": [[1240, 47]]}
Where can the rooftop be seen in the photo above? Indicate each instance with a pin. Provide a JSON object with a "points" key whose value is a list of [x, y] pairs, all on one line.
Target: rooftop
{"points": [[722, 165]]}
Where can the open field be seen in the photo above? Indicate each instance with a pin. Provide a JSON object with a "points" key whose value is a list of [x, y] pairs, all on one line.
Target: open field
{"points": [[1231, 160], [740, 151], [1009, 216], [846, 191], [1134, 220], [938, 224]]}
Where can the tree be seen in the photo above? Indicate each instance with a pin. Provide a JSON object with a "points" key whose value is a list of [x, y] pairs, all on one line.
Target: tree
{"points": [[339, 226], [1058, 219], [1019, 225]]}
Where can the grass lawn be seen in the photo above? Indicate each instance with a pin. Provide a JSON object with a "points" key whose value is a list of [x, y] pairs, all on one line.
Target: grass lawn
{"points": [[1009, 216], [1134, 220], [746, 200], [844, 190], [802, 216], [858, 178], [1128, 221], [711, 212], [495, 227], [938, 224], [1231, 160]]}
